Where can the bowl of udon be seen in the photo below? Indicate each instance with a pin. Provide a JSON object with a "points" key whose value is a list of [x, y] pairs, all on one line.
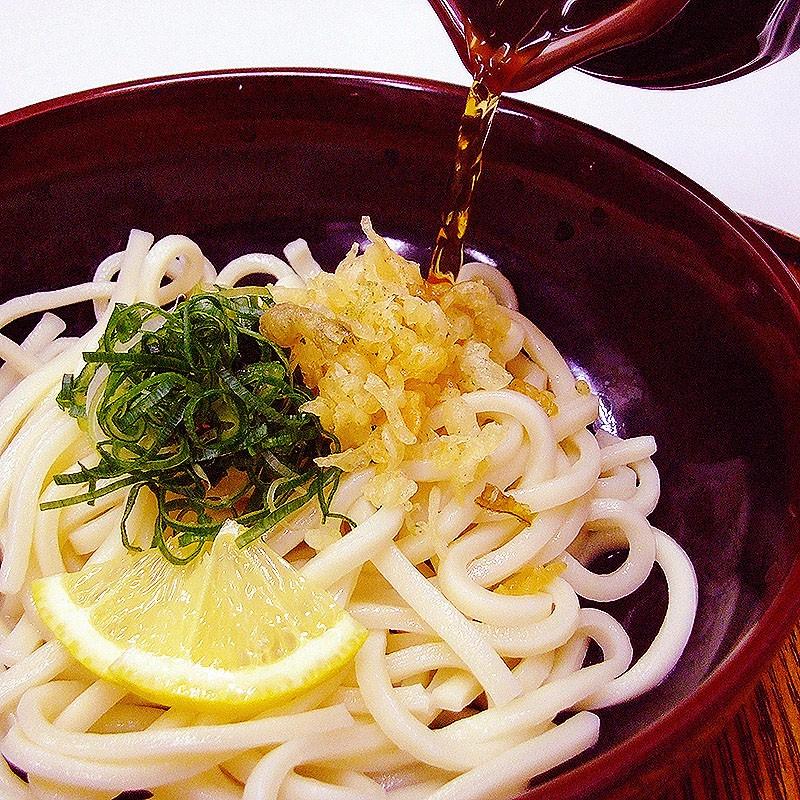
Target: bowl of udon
{"points": [[528, 534]]}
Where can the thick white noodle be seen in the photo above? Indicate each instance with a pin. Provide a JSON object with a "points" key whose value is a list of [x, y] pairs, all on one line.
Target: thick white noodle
{"points": [[258, 264], [516, 766], [37, 343], [640, 541], [454, 694], [454, 628], [351, 551], [299, 256], [671, 639]]}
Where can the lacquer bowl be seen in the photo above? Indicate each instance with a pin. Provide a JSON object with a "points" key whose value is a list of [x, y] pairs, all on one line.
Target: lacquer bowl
{"points": [[685, 321]]}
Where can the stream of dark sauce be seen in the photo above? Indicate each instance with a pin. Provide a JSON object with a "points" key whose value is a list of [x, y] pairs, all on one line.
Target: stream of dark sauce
{"points": [[510, 45], [472, 133]]}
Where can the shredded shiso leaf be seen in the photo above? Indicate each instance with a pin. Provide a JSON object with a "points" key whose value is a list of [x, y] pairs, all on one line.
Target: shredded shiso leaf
{"points": [[197, 406]]}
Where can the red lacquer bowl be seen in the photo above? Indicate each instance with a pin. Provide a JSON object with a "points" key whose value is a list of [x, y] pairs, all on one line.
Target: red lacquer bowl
{"points": [[686, 322]]}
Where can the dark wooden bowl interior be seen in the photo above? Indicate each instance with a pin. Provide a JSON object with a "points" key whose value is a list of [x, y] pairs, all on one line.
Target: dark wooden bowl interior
{"points": [[683, 320]]}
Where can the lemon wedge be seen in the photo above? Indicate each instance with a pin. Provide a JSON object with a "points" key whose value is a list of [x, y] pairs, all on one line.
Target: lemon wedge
{"points": [[234, 629]]}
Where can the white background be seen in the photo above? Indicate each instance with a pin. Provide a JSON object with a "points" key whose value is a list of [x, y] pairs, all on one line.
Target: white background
{"points": [[740, 140]]}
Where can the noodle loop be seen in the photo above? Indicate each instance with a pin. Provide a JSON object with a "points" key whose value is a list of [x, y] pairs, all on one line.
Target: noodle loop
{"points": [[478, 638]]}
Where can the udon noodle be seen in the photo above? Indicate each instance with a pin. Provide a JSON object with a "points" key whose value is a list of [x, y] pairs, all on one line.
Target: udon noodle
{"points": [[456, 692]]}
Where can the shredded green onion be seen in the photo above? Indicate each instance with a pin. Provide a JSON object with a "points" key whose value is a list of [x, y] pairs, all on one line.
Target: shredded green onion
{"points": [[189, 400]]}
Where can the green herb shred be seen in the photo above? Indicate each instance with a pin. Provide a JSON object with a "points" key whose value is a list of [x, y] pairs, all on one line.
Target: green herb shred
{"points": [[197, 406]]}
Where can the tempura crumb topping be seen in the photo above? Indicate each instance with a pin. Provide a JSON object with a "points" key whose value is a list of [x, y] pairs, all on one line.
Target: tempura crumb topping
{"points": [[386, 349]]}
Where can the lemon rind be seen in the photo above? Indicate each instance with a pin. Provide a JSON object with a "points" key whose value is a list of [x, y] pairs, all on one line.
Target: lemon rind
{"points": [[72, 626], [176, 681]]}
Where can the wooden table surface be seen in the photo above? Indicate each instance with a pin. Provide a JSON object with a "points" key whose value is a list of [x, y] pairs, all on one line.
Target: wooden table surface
{"points": [[757, 756]]}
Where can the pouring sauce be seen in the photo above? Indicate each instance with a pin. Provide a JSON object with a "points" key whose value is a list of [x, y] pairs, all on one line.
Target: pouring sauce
{"points": [[511, 45], [472, 132]]}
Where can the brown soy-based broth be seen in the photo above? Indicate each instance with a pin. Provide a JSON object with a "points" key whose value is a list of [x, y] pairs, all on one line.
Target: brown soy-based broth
{"points": [[509, 45]]}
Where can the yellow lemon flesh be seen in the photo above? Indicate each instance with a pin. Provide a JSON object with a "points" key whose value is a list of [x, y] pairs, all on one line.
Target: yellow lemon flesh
{"points": [[234, 629]]}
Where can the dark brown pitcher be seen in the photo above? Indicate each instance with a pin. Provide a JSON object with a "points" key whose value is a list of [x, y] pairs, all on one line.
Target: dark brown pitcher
{"points": [[511, 45], [515, 44], [708, 42]]}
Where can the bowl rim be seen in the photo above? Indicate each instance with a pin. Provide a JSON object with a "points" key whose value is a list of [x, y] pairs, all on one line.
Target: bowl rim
{"points": [[716, 696]]}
